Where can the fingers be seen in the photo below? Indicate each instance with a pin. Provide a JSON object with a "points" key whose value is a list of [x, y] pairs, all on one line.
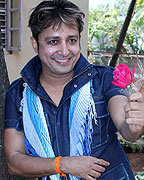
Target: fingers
{"points": [[98, 161], [134, 121], [97, 169], [101, 162], [98, 165], [135, 102], [138, 96], [134, 112], [135, 128], [134, 106], [94, 175], [89, 177], [135, 118]]}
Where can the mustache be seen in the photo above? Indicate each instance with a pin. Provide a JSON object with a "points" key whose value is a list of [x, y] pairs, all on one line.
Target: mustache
{"points": [[59, 56]]}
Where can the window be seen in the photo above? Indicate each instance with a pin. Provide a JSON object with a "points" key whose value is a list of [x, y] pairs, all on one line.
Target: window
{"points": [[10, 21], [3, 18]]}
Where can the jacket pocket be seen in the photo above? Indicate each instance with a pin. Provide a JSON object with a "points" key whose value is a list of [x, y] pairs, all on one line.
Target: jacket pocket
{"points": [[117, 173], [100, 130]]}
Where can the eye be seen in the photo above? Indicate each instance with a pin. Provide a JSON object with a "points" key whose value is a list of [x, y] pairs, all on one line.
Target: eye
{"points": [[53, 42], [72, 41]]}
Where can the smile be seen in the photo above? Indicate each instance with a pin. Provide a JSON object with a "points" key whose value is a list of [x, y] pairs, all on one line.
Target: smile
{"points": [[63, 61]]}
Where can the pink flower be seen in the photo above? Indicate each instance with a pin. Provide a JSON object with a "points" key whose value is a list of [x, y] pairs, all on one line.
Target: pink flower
{"points": [[123, 76]]}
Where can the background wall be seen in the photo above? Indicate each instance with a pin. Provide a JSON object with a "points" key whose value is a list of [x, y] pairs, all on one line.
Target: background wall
{"points": [[17, 60]]}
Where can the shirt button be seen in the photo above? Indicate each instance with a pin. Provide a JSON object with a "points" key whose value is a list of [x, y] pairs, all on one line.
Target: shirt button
{"points": [[89, 74], [75, 86]]}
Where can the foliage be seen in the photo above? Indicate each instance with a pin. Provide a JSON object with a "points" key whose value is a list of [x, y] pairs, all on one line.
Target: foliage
{"points": [[140, 175], [105, 22]]}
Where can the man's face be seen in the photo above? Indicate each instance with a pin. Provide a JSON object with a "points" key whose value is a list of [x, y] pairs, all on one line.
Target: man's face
{"points": [[59, 50]]}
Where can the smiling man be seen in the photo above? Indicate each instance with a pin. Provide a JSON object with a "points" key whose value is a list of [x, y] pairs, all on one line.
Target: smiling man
{"points": [[59, 50], [63, 114]]}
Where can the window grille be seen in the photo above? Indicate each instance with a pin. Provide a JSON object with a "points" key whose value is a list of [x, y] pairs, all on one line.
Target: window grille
{"points": [[10, 19], [3, 22]]}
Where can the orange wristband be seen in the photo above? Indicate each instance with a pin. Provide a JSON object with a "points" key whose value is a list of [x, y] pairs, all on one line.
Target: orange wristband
{"points": [[57, 166]]}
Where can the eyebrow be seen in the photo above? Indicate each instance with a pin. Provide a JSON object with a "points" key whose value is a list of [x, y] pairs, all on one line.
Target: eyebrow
{"points": [[74, 36], [57, 37]]}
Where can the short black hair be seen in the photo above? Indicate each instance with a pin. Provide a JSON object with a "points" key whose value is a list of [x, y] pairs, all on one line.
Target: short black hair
{"points": [[53, 13]]}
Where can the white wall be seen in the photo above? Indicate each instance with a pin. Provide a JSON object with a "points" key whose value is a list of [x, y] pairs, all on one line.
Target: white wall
{"points": [[83, 4], [17, 60]]}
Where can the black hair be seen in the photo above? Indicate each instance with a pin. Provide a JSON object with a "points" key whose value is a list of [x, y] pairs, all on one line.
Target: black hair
{"points": [[53, 13]]}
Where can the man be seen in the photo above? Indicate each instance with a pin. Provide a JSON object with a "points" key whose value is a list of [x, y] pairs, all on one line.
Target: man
{"points": [[62, 115]]}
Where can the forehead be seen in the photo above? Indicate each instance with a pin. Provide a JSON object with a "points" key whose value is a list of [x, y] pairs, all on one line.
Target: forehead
{"points": [[60, 31]]}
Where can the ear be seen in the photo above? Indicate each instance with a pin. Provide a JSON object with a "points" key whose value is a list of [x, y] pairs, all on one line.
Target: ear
{"points": [[34, 44], [80, 41]]}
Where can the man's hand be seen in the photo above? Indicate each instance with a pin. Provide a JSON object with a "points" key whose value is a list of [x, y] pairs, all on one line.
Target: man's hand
{"points": [[86, 167], [134, 112], [128, 115]]}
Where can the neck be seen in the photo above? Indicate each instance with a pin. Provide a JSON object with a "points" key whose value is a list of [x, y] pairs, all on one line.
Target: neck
{"points": [[54, 85], [55, 80]]}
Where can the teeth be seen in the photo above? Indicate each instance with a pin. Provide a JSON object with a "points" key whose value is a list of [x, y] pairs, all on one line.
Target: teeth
{"points": [[60, 60]]}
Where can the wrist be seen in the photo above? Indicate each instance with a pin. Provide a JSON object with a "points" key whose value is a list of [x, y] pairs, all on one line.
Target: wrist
{"points": [[58, 165], [63, 164]]}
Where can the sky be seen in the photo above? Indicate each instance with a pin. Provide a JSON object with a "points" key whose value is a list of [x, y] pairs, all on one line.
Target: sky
{"points": [[94, 3]]}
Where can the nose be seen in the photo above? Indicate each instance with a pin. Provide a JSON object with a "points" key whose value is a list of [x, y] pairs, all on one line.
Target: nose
{"points": [[64, 49]]}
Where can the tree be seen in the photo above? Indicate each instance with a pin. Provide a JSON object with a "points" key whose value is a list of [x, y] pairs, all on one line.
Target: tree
{"points": [[106, 22], [4, 83], [104, 25], [123, 33]]}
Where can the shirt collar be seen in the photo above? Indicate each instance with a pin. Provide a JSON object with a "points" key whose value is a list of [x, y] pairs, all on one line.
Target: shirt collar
{"points": [[31, 72]]}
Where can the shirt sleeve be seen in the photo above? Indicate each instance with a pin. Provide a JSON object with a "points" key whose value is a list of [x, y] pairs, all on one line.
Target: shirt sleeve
{"points": [[110, 89], [13, 115]]}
